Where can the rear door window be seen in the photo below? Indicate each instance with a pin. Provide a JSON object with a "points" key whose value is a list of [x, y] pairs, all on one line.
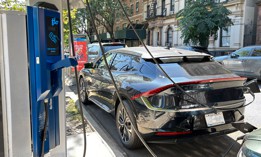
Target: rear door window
{"points": [[244, 52], [257, 52]]}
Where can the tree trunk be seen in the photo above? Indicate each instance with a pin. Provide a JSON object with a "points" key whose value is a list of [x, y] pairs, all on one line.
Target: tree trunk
{"points": [[204, 42]]}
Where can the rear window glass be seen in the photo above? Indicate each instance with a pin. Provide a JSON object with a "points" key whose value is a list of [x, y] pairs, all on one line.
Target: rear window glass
{"points": [[93, 49], [204, 68], [112, 47]]}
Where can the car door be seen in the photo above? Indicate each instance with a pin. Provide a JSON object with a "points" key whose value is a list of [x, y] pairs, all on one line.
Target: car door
{"points": [[99, 80], [236, 59], [252, 64]]}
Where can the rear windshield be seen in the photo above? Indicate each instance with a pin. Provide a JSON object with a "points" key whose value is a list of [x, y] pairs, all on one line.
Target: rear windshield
{"points": [[205, 68], [185, 69]]}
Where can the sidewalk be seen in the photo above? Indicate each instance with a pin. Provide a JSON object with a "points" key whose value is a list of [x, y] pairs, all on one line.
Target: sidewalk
{"points": [[96, 146]]}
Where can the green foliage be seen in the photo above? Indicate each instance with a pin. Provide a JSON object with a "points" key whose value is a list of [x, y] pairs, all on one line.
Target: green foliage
{"points": [[201, 19], [14, 5], [106, 12], [66, 27], [72, 111]]}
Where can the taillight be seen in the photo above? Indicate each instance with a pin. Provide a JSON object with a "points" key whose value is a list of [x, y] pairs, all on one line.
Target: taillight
{"points": [[171, 97]]}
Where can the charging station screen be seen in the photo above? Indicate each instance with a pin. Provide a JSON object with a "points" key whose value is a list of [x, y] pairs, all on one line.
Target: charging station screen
{"points": [[53, 36]]}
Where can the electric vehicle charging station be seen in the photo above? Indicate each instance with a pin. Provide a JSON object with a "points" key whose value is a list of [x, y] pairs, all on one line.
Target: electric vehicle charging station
{"points": [[32, 106]]}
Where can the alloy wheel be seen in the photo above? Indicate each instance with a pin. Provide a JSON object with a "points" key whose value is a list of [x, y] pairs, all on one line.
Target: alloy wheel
{"points": [[124, 125], [82, 90]]}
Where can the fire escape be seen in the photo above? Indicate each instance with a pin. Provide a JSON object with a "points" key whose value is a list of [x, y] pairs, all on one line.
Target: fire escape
{"points": [[152, 11]]}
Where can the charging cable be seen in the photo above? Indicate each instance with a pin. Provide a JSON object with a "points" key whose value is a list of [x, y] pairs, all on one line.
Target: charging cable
{"points": [[76, 77]]}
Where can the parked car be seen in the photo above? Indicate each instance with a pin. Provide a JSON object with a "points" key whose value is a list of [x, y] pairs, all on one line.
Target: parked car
{"points": [[94, 49], [244, 62], [159, 110], [251, 146], [195, 48]]}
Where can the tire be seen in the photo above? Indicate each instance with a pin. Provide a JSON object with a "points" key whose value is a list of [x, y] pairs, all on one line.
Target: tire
{"points": [[125, 129], [83, 94]]}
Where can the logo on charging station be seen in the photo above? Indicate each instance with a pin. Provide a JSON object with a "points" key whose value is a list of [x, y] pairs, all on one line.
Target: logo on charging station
{"points": [[54, 21]]}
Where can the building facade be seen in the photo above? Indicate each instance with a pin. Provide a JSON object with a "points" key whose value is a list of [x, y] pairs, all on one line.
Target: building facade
{"points": [[163, 25], [158, 17]]}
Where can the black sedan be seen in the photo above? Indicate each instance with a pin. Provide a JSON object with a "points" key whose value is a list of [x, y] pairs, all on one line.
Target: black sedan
{"points": [[212, 97]]}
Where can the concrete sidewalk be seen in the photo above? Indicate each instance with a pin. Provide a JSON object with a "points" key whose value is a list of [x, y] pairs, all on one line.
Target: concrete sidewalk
{"points": [[96, 147]]}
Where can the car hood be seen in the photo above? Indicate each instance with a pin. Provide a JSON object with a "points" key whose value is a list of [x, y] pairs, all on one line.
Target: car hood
{"points": [[255, 135], [221, 58]]}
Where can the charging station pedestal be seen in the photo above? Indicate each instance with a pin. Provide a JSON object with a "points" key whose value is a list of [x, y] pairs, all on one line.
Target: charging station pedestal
{"points": [[45, 63]]}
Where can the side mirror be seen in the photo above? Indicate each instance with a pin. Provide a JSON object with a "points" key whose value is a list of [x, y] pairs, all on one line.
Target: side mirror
{"points": [[88, 65], [234, 55], [253, 85]]}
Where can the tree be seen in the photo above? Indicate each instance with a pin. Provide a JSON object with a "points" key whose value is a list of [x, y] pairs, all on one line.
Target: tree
{"points": [[106, 12], [12, 5], [201, 19]]}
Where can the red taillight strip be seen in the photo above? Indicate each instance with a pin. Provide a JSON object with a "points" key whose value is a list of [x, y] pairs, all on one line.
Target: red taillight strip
{"points": [[173, 133], [158, 90], [152, 92], [214, 80]]}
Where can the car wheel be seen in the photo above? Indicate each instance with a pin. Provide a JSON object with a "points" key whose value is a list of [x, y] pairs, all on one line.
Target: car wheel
{"points": [[83, 94], [125, 128]]}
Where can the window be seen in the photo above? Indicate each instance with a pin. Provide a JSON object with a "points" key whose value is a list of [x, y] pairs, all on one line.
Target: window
{"points": [[117, 28], [93, 50], [220, 1], [169, 36], [124, 26], [243, 52], [131, 10], [121, 62], [256, 52], [137, 7], [101, 63], [137, 21], [163, 7], [172, 5], [148, 10], [225, 38]]}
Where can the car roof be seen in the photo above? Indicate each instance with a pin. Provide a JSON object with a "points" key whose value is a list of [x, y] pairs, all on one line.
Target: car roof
{"points": [[159, 52]]}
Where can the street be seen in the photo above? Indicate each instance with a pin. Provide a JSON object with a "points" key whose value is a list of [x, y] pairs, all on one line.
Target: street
{"points": [[199, 147]]}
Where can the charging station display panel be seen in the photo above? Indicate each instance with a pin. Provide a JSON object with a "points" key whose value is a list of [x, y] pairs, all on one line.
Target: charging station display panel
{"points": [[52, 25]]}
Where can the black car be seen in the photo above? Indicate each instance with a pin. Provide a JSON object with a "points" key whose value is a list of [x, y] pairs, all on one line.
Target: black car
{"points": [[159, 109]]}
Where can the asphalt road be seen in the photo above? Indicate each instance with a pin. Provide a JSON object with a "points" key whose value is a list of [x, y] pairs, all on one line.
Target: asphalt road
{"points": [[200, 147]]}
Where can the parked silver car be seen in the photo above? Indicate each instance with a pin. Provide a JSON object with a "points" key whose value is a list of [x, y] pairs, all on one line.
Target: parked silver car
{"points": [[244, 62]]}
